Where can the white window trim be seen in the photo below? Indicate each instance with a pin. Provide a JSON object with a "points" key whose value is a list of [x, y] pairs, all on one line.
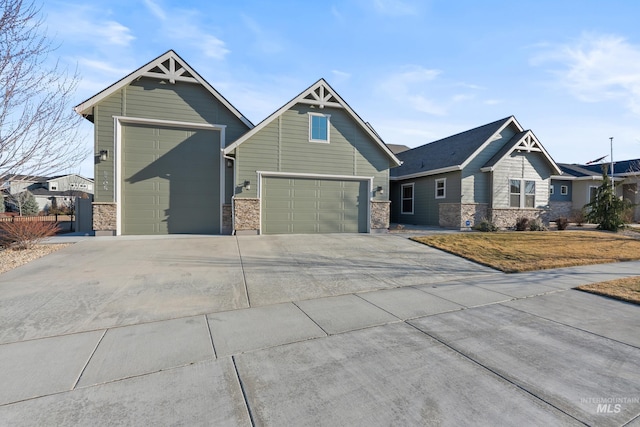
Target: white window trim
{"points": [[444, 188], [402, 199], [564, 190], [321, 141], [523, 192], [551, 189], [589, 192]]}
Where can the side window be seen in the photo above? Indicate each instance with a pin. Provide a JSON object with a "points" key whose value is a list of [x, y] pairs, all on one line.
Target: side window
{"points": [[551, 190], [441, 188], [319, 127], [529, 194], [564, 190], [407, 198], [514, 193]]}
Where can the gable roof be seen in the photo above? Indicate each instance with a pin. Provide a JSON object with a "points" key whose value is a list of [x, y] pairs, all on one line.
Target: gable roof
{"points": [[168, 66], [451, 153], [573, 171], [522, 141], [622, 167], [323, 95]]}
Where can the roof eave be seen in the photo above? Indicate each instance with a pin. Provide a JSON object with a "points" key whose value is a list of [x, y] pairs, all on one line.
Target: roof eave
{"points": [[426, 173]]}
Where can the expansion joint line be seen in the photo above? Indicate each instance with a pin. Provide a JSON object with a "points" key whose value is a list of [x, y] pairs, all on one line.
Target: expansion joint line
{"points": [[498, 374], [244, 393], [244, 277]]}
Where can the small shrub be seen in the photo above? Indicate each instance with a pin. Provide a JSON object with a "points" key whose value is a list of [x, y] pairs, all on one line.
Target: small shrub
{"points": [[578, 216], [522, 224], [537, 225], [486, 226], [562, 223], [25, 234]]}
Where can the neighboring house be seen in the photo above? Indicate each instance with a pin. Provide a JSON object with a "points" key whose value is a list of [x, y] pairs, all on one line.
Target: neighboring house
{"points": [[174, 156], [498, 171], [576, 186], [50, 192]]}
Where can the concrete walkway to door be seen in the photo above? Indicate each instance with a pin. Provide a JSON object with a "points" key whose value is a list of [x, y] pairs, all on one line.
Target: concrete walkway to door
{"points": [[308, 330]]}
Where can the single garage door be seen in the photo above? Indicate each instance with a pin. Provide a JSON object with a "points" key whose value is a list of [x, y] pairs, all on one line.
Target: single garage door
{"points": [[170, 180], [303, 205]]}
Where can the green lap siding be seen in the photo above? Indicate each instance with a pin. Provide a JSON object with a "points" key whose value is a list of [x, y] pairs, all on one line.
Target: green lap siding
{"points": [[301, 205], [170, 180]]}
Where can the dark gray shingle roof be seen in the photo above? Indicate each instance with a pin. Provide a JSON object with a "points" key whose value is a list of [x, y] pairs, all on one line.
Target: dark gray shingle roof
{"points": [[451, 151]]}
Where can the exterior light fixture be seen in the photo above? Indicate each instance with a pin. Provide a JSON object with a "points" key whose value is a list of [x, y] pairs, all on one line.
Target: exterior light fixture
{"points": [[104, 155], [247, 185], [379, 190]]}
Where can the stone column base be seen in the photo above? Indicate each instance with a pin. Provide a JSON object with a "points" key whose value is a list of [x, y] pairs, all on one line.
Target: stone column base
{"points": [[380, 214], [246, 218], [104, 218]]}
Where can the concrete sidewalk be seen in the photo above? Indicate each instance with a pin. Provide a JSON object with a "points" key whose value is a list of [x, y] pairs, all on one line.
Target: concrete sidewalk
{"points": [[429, 347]]}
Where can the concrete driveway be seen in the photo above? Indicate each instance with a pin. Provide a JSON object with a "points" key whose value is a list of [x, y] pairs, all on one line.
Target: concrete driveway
{"points": [[309, 330]]}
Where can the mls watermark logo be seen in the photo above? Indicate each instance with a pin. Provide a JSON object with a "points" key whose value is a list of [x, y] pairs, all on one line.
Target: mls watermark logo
{"points": [[609, 408], [609, 405]]}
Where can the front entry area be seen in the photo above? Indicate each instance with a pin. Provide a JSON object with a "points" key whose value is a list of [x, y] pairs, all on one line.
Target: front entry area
{"points": [[170, 180]]}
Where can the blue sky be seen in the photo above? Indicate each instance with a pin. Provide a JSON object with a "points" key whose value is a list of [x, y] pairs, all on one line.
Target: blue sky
{"points": [[417, 70]]}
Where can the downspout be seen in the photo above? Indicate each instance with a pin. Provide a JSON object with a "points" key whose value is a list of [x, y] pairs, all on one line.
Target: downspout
{"points": [[233, 208]]}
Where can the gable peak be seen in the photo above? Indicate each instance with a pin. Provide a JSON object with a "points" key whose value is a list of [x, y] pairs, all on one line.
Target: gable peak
{"points": [[170, 67], [321, 95]]}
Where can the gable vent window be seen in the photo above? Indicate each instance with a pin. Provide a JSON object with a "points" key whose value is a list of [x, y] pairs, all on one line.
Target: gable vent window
{"points": [[319, 127]]}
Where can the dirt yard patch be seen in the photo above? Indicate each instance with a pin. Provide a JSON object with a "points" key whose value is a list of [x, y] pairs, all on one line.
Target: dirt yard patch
{"points": [[10, 259]]}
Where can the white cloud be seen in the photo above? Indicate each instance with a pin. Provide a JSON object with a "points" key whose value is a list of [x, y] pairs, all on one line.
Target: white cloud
{"points": [[411, 85], [340, 76], [597, 68], [102, 66], [156, 9], [213, 47], [115, 33]]}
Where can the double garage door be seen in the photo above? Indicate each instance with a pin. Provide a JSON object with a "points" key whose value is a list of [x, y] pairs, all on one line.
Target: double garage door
{"points": [[170, 180], [306, 205]]}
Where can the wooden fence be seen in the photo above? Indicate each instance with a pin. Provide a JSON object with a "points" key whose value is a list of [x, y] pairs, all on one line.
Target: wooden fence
{"points": [[43, 218]]}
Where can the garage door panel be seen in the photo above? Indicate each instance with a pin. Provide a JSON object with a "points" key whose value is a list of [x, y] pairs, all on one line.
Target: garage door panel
{"points": [[170, 180], [304, 205]]}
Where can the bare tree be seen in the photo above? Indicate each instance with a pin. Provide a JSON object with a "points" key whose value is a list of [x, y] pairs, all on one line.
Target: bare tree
{"points": [[38, 128]]}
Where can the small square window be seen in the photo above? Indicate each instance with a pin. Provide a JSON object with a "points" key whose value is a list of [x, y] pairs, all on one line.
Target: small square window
{"points": [[551, 190], [318, 127], [564, 190], [441, 189]]}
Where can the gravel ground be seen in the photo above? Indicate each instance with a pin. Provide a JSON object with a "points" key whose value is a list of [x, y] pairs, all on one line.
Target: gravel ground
{"points": [[10, 259]]}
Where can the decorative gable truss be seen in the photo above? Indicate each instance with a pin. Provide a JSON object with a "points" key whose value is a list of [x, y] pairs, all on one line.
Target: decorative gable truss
{"points": [[529, 143], [169, 67], [321, 96], [525, 141], [171, 70]]}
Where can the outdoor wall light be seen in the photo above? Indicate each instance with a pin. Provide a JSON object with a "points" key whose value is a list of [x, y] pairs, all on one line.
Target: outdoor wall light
{"points": [[104, 155], [247, 185], [379, 190]]}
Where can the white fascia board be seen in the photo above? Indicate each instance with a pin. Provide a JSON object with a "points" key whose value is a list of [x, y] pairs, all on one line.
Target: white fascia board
{"points": [[85, 107], [427, 173]]}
